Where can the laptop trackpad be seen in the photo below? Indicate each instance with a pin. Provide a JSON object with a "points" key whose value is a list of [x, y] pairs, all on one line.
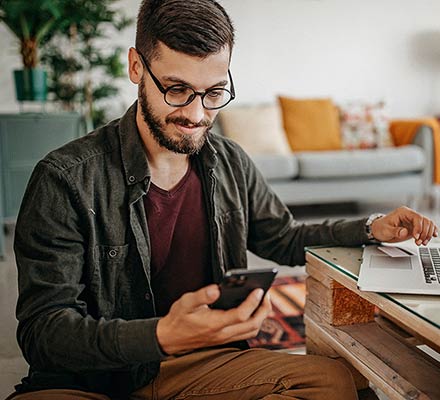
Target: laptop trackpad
{"points": [[385, 262]]}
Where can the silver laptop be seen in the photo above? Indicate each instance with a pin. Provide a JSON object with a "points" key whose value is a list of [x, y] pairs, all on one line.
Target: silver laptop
{"points": [[416, 272]]}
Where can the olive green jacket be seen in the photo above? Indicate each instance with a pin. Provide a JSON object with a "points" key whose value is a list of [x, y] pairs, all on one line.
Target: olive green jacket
{"points": [[85, 309]]}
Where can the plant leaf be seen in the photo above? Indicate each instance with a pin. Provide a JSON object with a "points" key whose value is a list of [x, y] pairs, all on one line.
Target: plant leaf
{"points": [[25, 27], [44, 30]]}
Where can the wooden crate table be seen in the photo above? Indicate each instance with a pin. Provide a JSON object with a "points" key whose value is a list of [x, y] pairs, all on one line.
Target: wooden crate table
{"points": [[375, 333]]}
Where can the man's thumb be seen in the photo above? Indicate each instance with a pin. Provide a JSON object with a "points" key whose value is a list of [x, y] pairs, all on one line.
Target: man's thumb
{"points": [[212, 293], [203, 296]]}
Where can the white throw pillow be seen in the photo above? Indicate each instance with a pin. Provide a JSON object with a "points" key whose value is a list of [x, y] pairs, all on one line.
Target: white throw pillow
{"points": [[365, 125], [258, 129]]}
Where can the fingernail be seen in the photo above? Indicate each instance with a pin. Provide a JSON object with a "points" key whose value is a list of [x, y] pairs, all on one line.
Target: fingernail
{"points": [[418, 236], [212, 291], [259, 294]]}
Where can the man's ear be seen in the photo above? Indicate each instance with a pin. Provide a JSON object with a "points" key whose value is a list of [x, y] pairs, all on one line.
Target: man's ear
{"points": [[135, 66]]}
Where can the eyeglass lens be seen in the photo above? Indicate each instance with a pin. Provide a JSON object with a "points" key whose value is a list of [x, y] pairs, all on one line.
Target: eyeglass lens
{"points": [[182, 95]]}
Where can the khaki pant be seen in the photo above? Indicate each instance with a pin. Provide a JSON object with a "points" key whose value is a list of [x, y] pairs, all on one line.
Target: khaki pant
{"points": [[233, 374]]}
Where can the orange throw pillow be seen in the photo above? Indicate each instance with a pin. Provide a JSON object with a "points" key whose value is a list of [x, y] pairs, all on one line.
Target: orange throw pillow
{"points": [[311, 124]]}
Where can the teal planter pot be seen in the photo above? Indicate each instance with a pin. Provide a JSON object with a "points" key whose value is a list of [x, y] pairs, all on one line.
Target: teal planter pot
{"points": [[31, 84]]}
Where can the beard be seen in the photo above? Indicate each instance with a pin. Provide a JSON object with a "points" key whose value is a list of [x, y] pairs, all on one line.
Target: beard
{"points": [[186, 143]]}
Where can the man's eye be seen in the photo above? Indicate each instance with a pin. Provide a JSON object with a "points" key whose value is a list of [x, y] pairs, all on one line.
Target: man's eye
{"points": [[177, 89], [216, 93]]}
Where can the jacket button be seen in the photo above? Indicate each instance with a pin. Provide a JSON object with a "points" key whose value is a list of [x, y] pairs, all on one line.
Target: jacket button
{"points": [[112, 253], [147, 296], [131, 179]]}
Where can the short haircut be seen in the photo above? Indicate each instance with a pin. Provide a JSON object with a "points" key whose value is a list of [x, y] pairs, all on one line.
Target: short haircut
{"points": [[193, 27]]}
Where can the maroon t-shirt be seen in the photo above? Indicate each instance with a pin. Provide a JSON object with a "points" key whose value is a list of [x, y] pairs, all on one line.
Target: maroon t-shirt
{"points": [[179, 237]]}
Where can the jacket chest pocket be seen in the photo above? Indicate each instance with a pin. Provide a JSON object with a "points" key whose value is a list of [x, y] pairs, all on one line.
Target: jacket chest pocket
{"points": [[110, 262]]}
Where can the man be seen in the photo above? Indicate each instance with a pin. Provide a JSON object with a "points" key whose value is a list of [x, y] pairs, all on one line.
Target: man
{"points": [[123, 234]]}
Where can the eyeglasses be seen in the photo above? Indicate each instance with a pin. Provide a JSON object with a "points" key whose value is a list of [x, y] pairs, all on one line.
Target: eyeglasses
{"points": [[181, 95]]}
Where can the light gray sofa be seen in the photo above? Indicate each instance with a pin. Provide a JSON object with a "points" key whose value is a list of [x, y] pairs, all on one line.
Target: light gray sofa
{"points": [[402, 174]]}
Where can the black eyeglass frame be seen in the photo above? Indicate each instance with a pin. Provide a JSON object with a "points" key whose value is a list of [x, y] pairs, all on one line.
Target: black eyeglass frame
{"points": [[191, 98]]}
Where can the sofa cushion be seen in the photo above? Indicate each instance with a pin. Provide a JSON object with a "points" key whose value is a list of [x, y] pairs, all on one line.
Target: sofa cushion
{"points": [[276, 167], [258, 129], [311, 124], [346, 163], [364, 125]]}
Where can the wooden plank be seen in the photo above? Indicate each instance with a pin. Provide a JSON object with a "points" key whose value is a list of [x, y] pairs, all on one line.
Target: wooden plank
{"points": [[407, 319], [409, 362], [349, 258], [338, 306], [316, 330], [413, 336], [368, 334], [324, 312], [395, 368], [395, 330], [314, 345], [320, 276]]}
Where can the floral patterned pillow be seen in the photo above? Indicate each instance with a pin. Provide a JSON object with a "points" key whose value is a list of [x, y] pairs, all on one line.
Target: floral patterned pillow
{"points": [[364, 125]]}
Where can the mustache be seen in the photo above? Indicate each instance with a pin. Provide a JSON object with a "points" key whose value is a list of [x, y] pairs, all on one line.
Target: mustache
{"points": [[187, 122]]}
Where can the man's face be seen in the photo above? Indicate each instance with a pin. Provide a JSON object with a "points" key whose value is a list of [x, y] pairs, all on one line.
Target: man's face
{"points": [[183, 129]]}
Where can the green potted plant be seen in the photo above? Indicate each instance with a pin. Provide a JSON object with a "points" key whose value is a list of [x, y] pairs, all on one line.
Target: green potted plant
{"points": [[32, 22], [83, 64]]}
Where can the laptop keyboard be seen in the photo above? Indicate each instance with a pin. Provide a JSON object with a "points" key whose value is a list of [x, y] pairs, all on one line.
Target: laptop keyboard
{"points": [[430, 257]]}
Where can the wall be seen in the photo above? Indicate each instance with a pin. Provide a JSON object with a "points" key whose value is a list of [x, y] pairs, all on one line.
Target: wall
{"points": [[347, 49]]}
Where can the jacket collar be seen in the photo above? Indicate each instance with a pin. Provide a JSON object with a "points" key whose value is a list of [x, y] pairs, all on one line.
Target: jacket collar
{"points": [[134, 159], [208, 154]]}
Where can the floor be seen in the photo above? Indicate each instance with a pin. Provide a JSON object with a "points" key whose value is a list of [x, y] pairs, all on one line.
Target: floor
{"points": [[12, 365]]}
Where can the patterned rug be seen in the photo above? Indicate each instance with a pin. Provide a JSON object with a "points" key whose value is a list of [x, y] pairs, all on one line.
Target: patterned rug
{"points": [[284, 328]]}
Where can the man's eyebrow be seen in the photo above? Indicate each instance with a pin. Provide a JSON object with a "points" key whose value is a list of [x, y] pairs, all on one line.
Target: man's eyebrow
{"points": [[174, 79]]}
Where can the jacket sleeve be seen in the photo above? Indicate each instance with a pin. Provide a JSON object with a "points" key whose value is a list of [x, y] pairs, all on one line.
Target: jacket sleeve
{"points": [[273, 232], [55, 331]]}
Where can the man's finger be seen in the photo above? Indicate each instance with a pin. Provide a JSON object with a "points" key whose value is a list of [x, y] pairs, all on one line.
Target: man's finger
{"points": [[430, 234], [244, 311], [428, 231], [247, 308], [402, 233], [192, 300], [265, 308], [251, 327], [425, 232], [420, 234], [417, 223]]}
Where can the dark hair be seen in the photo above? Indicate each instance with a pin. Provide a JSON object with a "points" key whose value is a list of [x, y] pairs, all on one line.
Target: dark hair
{"points": [[193, 27]]}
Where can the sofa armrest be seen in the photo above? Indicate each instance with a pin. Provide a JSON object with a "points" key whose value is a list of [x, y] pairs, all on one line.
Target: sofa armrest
{"points": [[404, 130], [421, 134], [424, 139]]}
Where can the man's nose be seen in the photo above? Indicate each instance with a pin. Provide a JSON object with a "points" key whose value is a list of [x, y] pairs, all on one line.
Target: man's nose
{"points": [[194, 111]]}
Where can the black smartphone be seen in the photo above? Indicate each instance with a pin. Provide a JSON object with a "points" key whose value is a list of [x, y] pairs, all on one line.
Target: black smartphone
{"points": [[238, 283]]}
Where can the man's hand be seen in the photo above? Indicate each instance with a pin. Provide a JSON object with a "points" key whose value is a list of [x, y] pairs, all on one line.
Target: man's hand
{"points": [[403, 224], [191, 324]]}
